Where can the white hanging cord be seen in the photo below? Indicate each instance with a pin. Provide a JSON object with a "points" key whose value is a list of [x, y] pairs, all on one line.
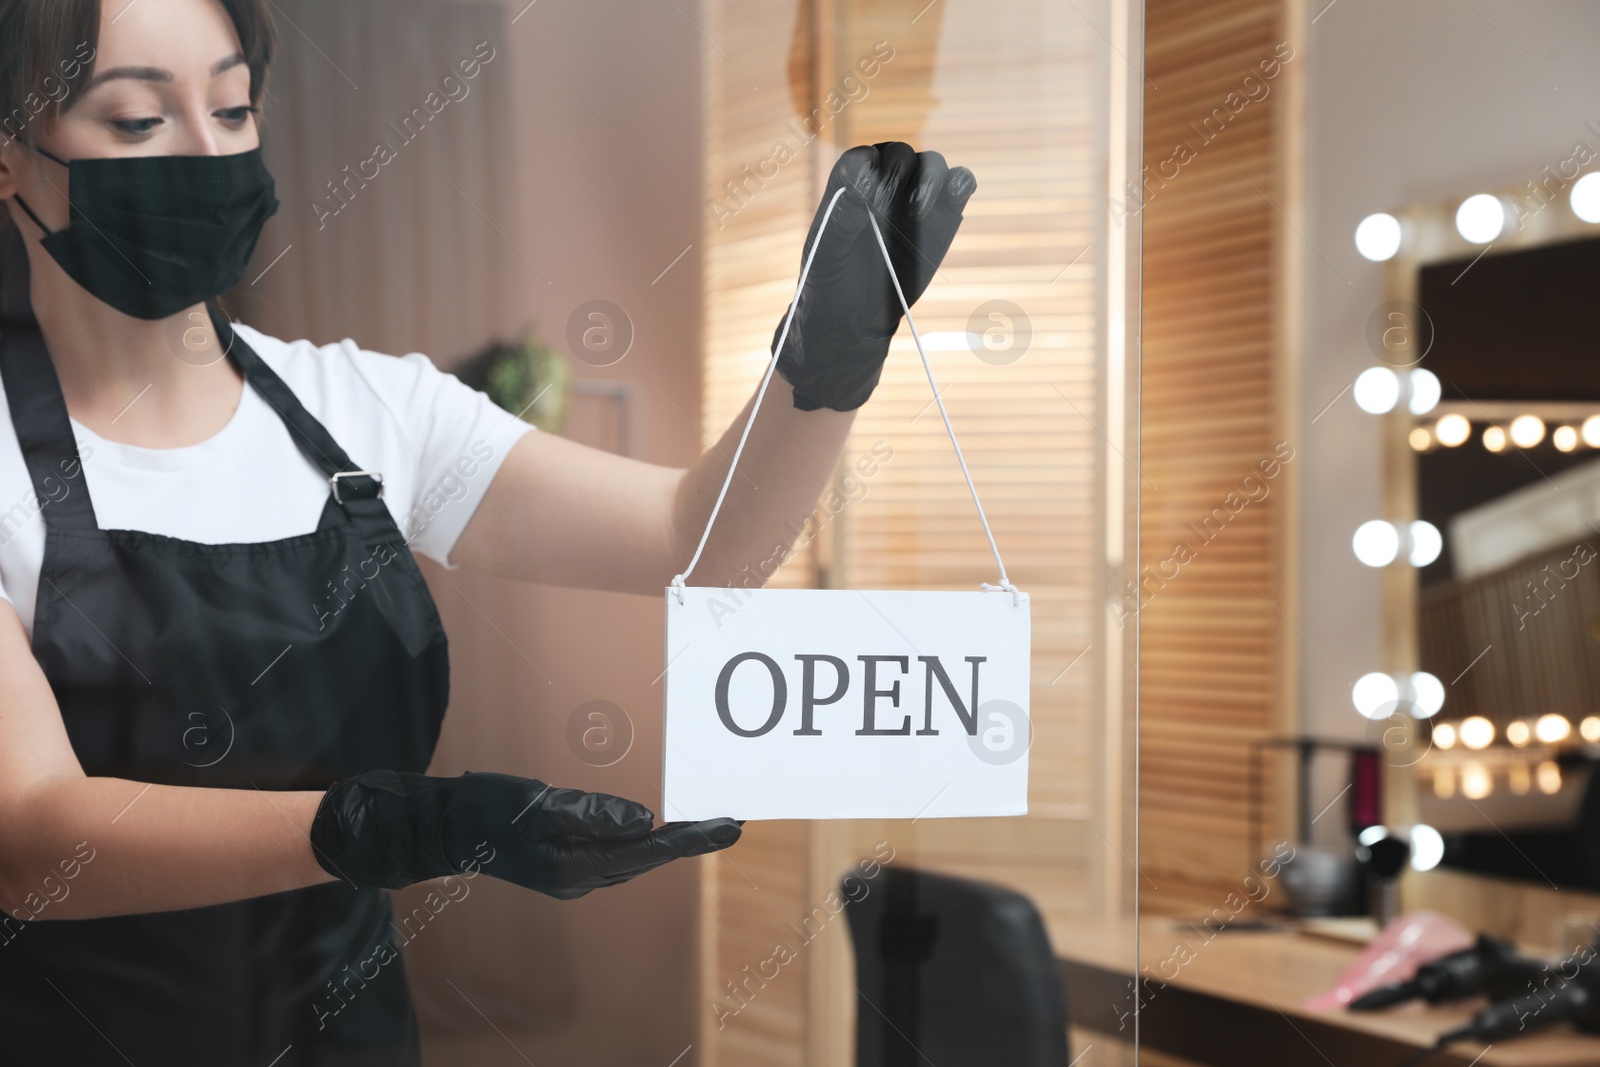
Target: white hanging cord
{"points": [[1005, 582], [805, 271], [783, 335]]}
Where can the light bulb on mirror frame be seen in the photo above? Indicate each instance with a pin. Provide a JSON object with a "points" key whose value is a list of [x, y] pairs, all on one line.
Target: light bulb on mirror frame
{"points": [[1527, 431], [1373, 693], [1548, 775], [1426, 543], [1444, 735], [1376, 390], [1425, 391], [1427, 847], [1481, 218], [1585, 200], [1420, 439], [1590, 431], [1476, 732], [1552, 729], [1376, 543], [1378, 236], [1453, 430], [1565, 438], [1589, 728], [1494, 439], [1427, 693], [1519, 732]]}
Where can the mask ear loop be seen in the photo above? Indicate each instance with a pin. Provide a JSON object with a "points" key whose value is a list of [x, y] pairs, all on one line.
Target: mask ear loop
{"points": [[51, 156], [23, 204], [37, 221]]}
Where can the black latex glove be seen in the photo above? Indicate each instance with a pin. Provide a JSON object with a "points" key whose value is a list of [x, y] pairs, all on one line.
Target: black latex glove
{"points": [[848, 310], [387, 829]]}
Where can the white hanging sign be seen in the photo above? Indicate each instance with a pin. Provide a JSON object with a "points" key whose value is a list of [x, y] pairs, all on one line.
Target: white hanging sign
{"points": [[845, 704]]}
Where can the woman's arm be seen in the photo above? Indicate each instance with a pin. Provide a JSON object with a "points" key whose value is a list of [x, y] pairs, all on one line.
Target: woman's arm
{"points": [[75, 847], [565, 514], [562, 514]]}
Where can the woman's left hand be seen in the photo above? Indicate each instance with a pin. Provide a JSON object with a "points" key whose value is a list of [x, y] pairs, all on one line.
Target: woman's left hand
{"points": [[848, 309], [388, 829]]}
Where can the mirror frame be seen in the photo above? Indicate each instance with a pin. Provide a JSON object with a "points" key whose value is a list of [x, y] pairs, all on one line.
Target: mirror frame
{"points": [[1537, 214]]}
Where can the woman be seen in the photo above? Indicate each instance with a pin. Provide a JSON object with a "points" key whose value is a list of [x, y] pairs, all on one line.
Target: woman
{"points": [[198, 543]]}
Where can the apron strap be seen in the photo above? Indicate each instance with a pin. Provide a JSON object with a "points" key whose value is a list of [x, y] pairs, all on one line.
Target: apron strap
{"points": [[357, 492], [44, 431], [50, 450]]}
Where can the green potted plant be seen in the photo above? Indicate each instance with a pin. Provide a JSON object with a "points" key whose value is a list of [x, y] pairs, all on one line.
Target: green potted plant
{"points": [[526, 377]]}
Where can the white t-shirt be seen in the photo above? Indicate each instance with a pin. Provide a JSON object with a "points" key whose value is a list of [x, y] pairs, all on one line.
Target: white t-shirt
{"points": [[437, 443]]}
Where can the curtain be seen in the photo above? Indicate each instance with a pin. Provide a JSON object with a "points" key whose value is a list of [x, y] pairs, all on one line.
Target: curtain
{"points": [[395, 177]]}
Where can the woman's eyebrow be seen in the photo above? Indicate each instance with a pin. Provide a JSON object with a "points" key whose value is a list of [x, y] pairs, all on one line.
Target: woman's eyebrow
{"points": [[144, 74], [160, 74]]}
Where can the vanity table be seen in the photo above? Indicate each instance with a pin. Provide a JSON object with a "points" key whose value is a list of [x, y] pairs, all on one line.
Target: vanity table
{"points": [[1236, 1002]]}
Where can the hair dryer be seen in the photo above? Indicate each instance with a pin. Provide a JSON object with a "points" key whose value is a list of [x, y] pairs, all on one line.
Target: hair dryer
{"points": [[1569, 990], [1491, 967]]}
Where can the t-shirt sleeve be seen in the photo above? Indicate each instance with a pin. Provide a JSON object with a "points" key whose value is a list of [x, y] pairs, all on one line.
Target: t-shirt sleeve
{"points": [[459, 438]]}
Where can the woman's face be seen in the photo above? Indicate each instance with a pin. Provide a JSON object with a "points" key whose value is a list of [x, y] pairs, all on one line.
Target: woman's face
{"points": [[169, 79]]}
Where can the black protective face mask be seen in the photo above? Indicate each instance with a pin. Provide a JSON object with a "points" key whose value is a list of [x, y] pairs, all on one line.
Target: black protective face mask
{"points": [[153, 235]]}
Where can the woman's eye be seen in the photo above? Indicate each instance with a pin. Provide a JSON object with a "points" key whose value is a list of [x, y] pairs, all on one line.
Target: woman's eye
{"points": [[236, 116], [135, 127]]}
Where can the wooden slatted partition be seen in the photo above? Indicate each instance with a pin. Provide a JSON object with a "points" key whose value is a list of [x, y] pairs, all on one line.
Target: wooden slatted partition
{"points": [[1018, 93], [1026, 420], [1212, 599]]}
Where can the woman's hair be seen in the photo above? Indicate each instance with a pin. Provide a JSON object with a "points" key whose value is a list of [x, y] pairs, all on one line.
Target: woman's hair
{"points": [[47, 54]]}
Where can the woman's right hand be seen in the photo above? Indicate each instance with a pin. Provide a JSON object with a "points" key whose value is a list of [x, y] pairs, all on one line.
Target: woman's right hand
{"points": [[389, 829]]}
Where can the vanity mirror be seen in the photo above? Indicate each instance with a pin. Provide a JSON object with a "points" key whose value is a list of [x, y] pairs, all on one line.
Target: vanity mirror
{"points": [[1489, 391]]}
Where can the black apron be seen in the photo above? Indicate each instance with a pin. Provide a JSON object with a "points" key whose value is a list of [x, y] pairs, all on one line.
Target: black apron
{"points": [[274, 666]]}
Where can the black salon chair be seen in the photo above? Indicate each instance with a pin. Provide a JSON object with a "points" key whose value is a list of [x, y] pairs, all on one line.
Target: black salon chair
{"points": [[953, 972]]}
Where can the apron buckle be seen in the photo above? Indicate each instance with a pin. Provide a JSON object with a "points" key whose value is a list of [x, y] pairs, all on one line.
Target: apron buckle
{"points": [[376, 477]]}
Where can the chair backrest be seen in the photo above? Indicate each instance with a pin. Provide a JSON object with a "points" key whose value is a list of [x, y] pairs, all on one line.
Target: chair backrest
{"points": [[954, 972]]}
